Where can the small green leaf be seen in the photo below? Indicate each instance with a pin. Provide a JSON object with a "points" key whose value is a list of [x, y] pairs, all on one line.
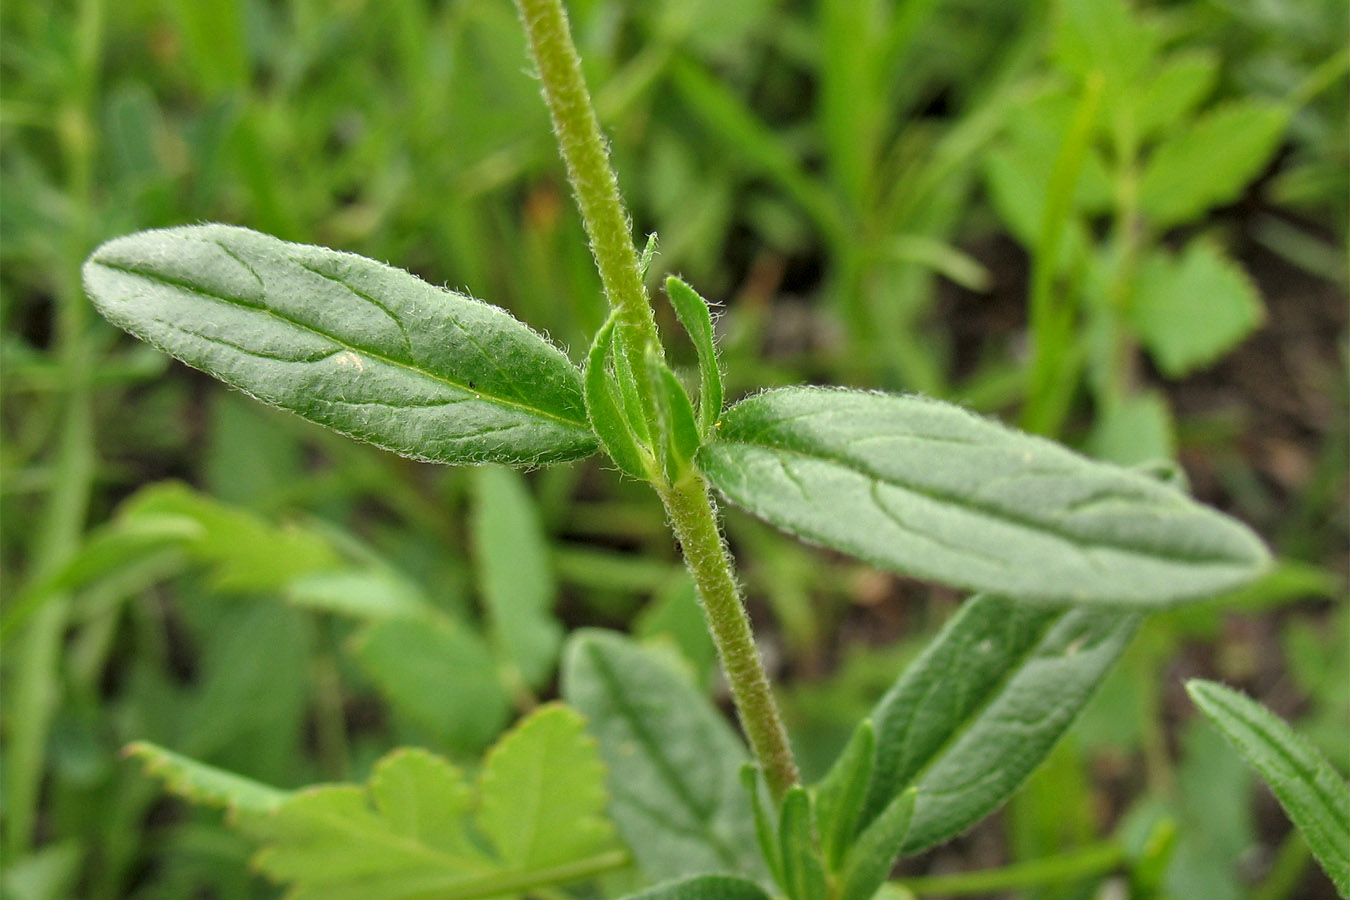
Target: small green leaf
{"points": [[803, 874], [872, 856], [840, 794], [542, 794], [1134, 429], [1172, 92], [696, 317], [971, 718], [1315, 797], [680, 437], [648, 254], [929, 489], [606, 407], [1210, 161], [440, 675], [704, 887], [1192, 309], [674, 761], [515, 573], [205, 784], [244, 552], [364, 348]]}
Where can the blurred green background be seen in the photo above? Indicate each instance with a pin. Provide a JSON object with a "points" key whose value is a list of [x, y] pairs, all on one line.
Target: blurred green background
{"points": [[1122, 225]]}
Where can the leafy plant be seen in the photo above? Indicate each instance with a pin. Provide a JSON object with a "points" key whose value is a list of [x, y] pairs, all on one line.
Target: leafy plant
{"points": [[1067, 553]]}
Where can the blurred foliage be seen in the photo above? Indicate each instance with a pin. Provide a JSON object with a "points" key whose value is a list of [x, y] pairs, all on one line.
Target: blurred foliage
{"points": [[843, 175]]}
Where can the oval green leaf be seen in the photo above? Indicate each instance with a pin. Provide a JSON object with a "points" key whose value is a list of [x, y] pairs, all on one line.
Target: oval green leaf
{"points": [[361, 347], [929, 489]]}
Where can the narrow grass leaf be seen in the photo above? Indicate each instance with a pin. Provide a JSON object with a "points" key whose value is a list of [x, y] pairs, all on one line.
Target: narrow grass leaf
{"points": [[542, 793], [1316, 798], [971, 718], [929, 489], [364, 348], [674, 761]]}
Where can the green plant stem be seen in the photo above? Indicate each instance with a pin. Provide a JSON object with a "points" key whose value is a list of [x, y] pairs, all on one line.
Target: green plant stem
{"points": [[593, 180], [686, 498], [705, 553], [1050, 390], [1087, 862]]}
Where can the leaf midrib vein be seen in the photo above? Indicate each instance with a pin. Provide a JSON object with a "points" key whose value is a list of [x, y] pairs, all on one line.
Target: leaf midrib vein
{"points": [[398, 364], [988, 511]]}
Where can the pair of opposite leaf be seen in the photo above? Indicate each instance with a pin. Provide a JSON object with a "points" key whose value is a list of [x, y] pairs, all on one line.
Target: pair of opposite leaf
{"points": [[907, 483]]}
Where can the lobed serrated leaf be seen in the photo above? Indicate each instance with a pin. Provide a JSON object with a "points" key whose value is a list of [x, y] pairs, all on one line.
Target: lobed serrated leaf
{"points": [[1191, 309], [929, 489], [1316, 798], [1210, 161], [205, 784], [674, 762], [361, 347], [971, 718], [542, 792], [405, 835]]}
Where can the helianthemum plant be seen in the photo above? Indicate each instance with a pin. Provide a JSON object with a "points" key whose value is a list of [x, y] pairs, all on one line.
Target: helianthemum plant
{"points": [[1065, 555]]}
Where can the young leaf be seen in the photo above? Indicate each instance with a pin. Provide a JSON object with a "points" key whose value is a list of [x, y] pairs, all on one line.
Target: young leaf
{"points": [[364, 348], [680, 431], [704, 887], [542, 793], [674, 762], [1210, 161], [606, 408], [694, 314], [803, 874], [928, 489], [973, 716], [765, 831], [1192, 309], [1315, 797], [205, 784], [840, 794], [514, 573], [872, 856]]}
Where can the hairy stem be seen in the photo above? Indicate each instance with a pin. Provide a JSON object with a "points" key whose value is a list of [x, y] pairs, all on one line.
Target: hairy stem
{"points": [[686, 498], [593, 180], [695, 523]]}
